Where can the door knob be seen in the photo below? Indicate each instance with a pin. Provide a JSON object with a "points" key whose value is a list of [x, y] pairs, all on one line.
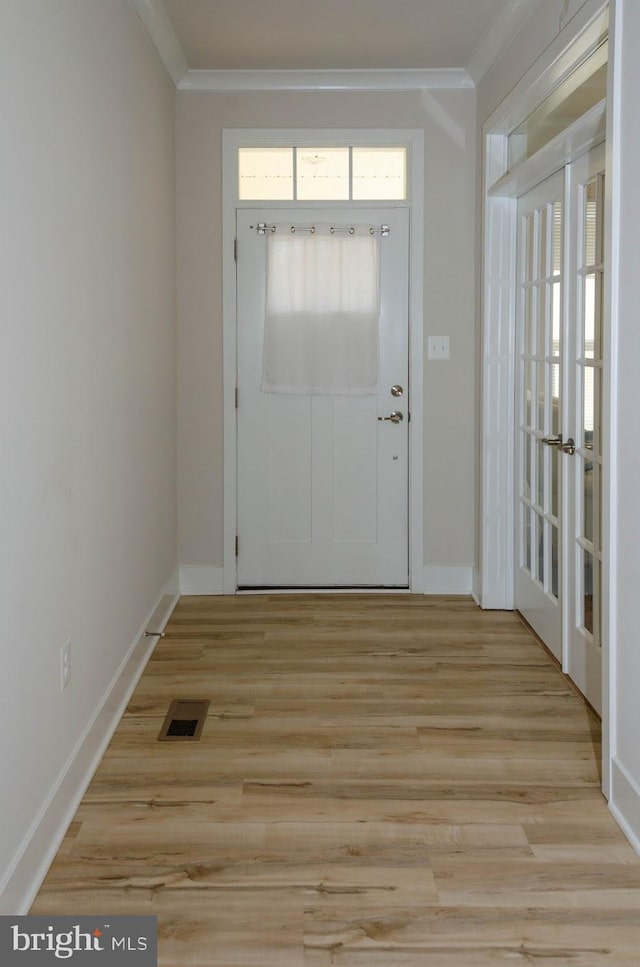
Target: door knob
{"points": [[394, 417], [568, 446]]}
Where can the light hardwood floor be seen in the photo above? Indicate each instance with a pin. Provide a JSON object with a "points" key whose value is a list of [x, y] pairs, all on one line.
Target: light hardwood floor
{"points": [[382, 781]]}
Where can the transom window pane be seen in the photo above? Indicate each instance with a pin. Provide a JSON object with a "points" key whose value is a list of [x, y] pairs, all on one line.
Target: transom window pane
{"points": [[322, 174], [379, 173], [576, 95], [265, 174], [330, 173]]}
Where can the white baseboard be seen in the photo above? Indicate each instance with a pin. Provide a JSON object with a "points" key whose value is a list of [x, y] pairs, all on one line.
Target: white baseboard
{"points": [[448, 580], [625, 803], [42, 841], [476, 586], [201, 579]]}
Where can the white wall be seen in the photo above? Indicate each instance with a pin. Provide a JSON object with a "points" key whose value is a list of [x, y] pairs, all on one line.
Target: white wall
{"points": [[625, 597], [87, 374], [448, 119]]}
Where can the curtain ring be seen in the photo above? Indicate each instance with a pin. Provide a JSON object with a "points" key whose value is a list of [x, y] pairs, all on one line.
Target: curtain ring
{"points": [[352, 231], [293, 229], [313, 229]]}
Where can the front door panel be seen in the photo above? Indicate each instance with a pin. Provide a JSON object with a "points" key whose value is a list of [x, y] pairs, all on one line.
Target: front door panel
{"points": [[322, 481]]}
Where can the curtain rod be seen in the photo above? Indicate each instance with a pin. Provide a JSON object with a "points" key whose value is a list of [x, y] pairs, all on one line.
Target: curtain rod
{"points": [[262, 228]]}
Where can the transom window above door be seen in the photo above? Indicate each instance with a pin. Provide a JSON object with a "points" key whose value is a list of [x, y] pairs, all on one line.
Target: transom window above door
{"points": [[328, 173]]}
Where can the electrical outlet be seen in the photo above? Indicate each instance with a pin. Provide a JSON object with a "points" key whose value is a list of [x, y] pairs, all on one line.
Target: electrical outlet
{"points": [[65, 665], [438, 347]]}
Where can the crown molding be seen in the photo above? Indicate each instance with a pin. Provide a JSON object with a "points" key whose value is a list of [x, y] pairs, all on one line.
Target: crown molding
{"points": [[163, 37], [512, 16], [238, 81]]}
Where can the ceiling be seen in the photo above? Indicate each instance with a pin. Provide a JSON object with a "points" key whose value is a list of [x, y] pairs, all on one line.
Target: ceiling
{"points": [[330, 34]]}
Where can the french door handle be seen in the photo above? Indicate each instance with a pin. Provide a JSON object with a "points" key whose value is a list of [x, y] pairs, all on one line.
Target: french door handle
{"points": [[568, 446], [395, 417]]}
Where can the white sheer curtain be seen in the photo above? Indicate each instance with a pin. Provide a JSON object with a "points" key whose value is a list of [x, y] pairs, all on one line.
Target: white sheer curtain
{"points": [[322, 311]]}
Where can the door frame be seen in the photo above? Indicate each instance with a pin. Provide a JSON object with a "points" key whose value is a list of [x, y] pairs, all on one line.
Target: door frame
{"points": [[494, 584], [413, 140]]}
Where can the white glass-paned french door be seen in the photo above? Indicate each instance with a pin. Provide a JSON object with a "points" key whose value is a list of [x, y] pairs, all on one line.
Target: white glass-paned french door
{"points": [[540, 409], [558, 443], [585, 383]]}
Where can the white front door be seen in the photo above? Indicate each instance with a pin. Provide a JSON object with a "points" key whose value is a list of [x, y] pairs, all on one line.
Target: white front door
{"points": [[323, 479], [559, 416]]}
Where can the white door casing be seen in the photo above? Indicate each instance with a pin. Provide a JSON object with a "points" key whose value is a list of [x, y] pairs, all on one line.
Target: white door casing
{"points": [[232, 140], [322, 482]]}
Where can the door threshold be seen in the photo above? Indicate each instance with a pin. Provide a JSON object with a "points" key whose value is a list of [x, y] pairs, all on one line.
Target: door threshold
{"points": [[325, 589]]}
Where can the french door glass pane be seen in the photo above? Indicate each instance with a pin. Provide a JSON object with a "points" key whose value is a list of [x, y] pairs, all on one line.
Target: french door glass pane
{"points": [[540, 495], [588, 475], [526, 537], [542, 302], [590, 316], [527, 316], [590, 222], [538, 547], [527, 415], [541, 367], [529, 249], [587, 591], [556, 315], [555, 581], [597, 505], [590, 422], [543, 247], [555, 399], [526, 469], [557, 238]]}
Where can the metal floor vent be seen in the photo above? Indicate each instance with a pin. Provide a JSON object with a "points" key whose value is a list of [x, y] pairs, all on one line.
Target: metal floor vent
{"points": [[185, 720]]}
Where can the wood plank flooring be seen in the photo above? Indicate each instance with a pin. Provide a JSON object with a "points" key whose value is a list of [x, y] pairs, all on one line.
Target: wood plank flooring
{"points": [[382, 781]]}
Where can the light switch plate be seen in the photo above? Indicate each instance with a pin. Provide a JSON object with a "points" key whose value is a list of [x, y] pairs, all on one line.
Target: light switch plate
{"points": [[438, 347]]}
